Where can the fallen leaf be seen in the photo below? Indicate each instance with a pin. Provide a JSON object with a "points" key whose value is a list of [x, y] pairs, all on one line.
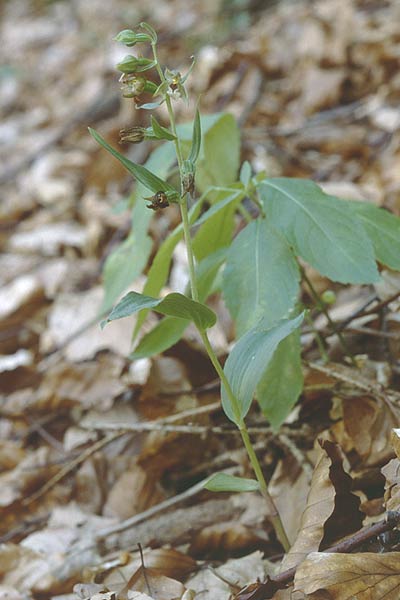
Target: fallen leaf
{"points": [[365, 576], [331, 511]]}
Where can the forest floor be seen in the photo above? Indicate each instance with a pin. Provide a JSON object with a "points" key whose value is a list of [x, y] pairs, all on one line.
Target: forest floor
{"points": [[98, 453]]}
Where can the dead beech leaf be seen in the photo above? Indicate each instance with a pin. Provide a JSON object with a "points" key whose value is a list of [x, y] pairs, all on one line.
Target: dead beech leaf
{"points": [[369, 423], [157, 586], [289, 486], [231, 536], [391, 472], [133, 492], [331, 511], [161, 561], [365, 576], [92, 384], [234, 575]]}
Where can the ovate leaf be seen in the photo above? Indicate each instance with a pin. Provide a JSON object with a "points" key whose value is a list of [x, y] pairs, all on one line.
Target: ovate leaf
{"points": [[207, 271], [282, 382], [223, 482], [383, 229], [217, 225], [261, 277], [322, 229], [175, 305], [247, 363], [164, 335], [146, 177]]}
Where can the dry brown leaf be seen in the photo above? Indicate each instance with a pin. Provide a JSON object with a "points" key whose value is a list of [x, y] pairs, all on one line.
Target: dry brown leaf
{"points": [[72, 311], [331, 511], [151, 582], [369, 423], [162, 561], [365, 576], [234, 575], [391, 472], [133, 492], [232, 537], [90, 384], [289, 486]]}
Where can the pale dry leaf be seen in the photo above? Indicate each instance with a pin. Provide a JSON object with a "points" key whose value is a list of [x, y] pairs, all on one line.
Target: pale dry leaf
{"points": [[162, 561], [133, 492], [238, 572], [8, 592], [73, 311], [391, 473], [331, 507], [149, 581], [26, 570], [289, 486], [19, 299], [365, 576], [28, 475], [89, 384]]}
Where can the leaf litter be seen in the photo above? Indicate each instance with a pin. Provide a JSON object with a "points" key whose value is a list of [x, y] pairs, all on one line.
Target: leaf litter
{"points": [[315, 89]]}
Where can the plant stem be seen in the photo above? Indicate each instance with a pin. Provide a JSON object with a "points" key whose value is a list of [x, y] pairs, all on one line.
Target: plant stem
{"points": [[183, 204]]}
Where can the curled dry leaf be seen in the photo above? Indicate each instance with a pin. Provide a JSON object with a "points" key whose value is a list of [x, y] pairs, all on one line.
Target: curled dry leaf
{"points": [[391, 472], [365, 576], [289, 486], [331, 511], [368, 423]]}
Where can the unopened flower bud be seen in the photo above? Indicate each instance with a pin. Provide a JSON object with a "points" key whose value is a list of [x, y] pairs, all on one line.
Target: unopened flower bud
{"points": [[131, 64], [130, 38]]}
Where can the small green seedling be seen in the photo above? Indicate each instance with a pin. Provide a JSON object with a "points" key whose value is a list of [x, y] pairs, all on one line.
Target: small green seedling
{"points": [[257, 271]]}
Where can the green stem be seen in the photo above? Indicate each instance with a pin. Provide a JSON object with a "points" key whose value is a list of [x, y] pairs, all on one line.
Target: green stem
{"points": [[275, 518], [189, 248]]}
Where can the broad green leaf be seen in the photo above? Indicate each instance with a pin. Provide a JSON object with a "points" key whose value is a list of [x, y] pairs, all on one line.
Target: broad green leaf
{"points": [[223, 482], [207, 271], [218, 160], [383, 229], [247, 363], [164, 335], [217, 225], [174, 305], [196, 139], [322, 229], [129, 259], [146, 177], [228, 196], [261, 277], [282, 382]]}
